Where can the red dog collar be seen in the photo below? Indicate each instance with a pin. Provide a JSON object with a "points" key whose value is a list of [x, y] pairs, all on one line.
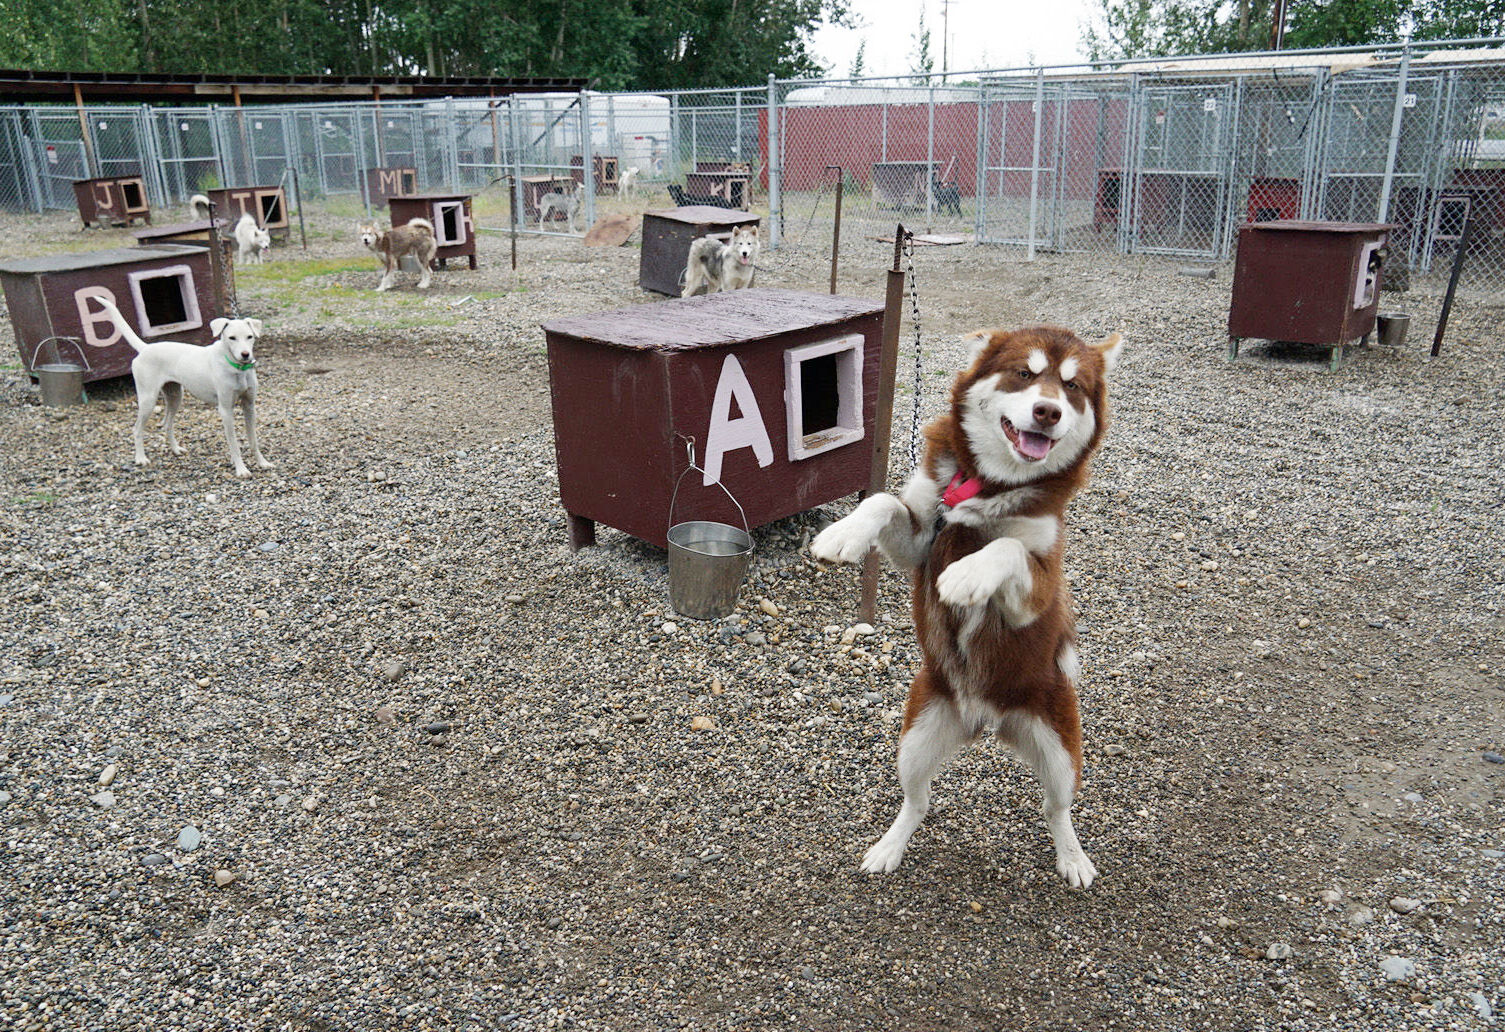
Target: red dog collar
{"points": [[959, 490]]}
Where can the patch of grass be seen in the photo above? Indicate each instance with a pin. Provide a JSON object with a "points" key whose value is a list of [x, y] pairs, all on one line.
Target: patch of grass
{"points": [[298, 271], [35, 498]]}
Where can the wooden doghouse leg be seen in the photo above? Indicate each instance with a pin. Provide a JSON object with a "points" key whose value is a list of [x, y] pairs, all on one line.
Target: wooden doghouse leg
{"points": [[582, 532]]}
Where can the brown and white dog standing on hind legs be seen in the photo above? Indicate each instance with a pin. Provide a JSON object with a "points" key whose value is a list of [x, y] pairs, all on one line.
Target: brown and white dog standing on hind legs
{"points": [[981, 523]]}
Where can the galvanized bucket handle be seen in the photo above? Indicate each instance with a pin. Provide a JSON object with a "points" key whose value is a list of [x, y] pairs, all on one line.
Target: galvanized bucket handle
{"points": [[57, 352], [674, 498]]}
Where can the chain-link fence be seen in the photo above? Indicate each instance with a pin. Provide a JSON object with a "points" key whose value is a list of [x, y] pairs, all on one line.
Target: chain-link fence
{"points": [[1146, 157]]}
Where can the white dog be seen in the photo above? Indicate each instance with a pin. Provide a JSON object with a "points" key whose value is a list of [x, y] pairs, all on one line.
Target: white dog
{"points": [[627, 186], [568, 203], [253, 240], [223, 373], [200, 205], [720, 266]]}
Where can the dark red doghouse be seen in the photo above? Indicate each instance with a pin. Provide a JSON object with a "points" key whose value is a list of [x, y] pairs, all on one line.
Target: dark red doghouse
{"points": [[166, 292], [114, 200], [385, 183], [454, 230], [778, 390], [266, 204]]}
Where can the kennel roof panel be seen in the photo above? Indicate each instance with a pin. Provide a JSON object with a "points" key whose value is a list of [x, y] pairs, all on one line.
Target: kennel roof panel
{"points": [[80, 260], [453, 195], [1308, 226], [703, 214], [713, 320]]}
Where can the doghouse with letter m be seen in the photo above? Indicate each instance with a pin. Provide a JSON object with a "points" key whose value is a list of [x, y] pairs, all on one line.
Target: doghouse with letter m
{"points": [[776, 388]]}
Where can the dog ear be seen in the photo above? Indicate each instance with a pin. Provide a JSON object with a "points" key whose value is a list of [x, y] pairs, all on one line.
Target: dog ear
{"points": [[1111, 350], [255, 325], [217, 327], [976, 341]]}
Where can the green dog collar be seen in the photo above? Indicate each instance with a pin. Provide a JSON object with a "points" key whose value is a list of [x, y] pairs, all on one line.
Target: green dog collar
{"points": [[242, 366]]}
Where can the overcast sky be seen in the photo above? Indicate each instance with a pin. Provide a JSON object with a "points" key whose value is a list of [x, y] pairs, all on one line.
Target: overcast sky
{"points": [[984, 34]]}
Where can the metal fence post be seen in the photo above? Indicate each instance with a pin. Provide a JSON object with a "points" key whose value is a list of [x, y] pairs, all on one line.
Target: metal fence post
{"points": [[514, 142], [981, 187], [1394, 147], [672, 170], [775, 163], [930, 154], [737, 144], [1034, 164], [587, 159]]}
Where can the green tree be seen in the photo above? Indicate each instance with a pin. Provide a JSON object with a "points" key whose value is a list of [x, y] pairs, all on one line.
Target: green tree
{"points": [[921, 62]]}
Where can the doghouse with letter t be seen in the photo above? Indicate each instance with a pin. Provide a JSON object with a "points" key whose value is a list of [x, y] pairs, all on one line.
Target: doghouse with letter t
{"points": [[165, 291], [777, 389]]}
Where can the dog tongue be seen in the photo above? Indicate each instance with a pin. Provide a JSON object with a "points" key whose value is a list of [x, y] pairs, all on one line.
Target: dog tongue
{"points": [[1033, 445]]}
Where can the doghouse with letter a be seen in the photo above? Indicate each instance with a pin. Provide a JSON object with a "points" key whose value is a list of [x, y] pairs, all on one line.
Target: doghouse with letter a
{"points": [[165, 291], [776, 388]]}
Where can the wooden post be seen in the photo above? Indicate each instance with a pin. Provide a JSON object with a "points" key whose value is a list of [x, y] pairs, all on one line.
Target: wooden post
{"points": [[883, 421], [836, 232], [245, 140], [91, 165]]}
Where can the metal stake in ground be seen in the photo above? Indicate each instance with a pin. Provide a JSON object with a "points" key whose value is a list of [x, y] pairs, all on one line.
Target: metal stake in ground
{"points": [[1447, 300], [883, 422], [298, 193]]}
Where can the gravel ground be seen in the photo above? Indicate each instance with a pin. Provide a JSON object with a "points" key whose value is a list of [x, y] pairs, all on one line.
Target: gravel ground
{"points": [[447, 772]]}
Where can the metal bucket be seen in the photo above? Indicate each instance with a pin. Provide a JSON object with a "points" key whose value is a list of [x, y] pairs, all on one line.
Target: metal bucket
{"points": [[1392, 328], [62, 382], [707, 561]]}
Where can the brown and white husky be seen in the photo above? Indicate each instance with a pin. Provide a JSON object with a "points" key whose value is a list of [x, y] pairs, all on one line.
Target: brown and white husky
{"points": [[416, 238], [981, 523]]}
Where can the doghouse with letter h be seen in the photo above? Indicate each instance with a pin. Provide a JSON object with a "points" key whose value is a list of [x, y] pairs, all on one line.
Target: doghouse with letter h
{"points": [[777, 389], [165, 291], [454, 230]]}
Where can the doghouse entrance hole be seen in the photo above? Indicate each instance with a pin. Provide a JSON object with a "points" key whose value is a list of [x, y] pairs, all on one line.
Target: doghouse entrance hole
{"points": [[132, 194], [449, 224], [819, 401], [271, 209], [823, 395], [165, 300]]}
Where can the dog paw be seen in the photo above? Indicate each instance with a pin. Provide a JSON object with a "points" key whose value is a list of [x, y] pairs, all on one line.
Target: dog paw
{"points": [[970, 581], [264, 464], [1076, 869], [883, 857], [846, 541], [178, 449], [242, 471], [142, 460]]}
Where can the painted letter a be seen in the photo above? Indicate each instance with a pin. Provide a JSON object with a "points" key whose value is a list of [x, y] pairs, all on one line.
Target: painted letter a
{"points": [[727, 434]]}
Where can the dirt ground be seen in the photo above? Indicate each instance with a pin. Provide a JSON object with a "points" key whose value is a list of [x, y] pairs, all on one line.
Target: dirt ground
{"points": [[451, 766]]}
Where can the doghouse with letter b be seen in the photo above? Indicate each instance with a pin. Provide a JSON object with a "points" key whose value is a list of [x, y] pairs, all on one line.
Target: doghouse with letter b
{"points": [[778, 390], [165, 291]]}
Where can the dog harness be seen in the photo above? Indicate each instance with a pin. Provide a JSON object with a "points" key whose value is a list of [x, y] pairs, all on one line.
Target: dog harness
{"points": [[242, 366]]}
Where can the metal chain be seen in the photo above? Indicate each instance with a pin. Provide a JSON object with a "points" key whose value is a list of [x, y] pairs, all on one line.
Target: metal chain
{"points": [[217, 256], [914, 308]]}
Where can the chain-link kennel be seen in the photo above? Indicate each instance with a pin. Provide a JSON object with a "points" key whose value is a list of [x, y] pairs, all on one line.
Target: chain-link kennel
{"points": [[1143, 157]]}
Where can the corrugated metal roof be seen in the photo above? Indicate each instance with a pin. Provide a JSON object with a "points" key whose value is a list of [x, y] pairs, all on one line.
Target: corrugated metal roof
{"points": [[23, 85]]}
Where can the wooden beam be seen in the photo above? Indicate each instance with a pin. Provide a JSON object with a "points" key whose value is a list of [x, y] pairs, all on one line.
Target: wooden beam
{"points": [[91, 166]]}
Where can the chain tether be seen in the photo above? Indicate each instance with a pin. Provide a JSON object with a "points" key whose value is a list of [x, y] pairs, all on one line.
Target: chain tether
{"points": [[914, 307]]}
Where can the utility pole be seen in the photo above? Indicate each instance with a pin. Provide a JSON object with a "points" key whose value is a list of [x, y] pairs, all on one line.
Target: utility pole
{"points": [[1278, 25], [946, 37]]}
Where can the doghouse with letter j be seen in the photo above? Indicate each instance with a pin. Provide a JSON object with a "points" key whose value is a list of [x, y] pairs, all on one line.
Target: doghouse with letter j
{"points": [[777, 389]]}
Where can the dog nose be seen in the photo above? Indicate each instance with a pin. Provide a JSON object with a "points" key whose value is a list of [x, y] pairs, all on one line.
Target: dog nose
{"points": [[1047, 414]]}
